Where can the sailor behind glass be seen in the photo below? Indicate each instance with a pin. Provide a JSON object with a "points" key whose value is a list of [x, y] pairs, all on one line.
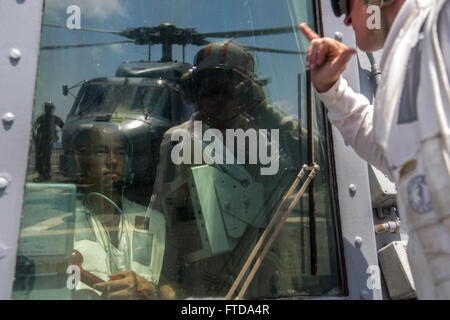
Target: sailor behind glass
{"points": [[119, 241]]}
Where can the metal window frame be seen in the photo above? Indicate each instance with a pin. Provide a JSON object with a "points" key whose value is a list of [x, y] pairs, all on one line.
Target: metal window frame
{"points": [[19, 49], [351, 188]]}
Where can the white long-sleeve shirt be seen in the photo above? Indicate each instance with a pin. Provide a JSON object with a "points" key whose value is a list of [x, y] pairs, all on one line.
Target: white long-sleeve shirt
{"points": [[404, 137], [352, 113]]}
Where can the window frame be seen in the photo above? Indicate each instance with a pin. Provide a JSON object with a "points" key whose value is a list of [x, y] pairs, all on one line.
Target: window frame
{"points": [[353, 211], [21, 25]]}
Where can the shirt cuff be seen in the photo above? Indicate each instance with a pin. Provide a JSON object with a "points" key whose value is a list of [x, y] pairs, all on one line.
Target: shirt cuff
{"points": [[334, 94]]}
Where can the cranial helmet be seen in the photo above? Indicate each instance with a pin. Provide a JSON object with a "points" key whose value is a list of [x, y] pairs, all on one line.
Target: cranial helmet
{"points": [[49, 106], [217, 55], [227, 55]]}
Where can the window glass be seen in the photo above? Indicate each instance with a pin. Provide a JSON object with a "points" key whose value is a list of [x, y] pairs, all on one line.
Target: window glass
{"points": [[107, 99], [155, 100], [162, 152]]}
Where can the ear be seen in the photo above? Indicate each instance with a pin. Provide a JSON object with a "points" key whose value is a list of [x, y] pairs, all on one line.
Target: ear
{"points": [[188, 83], [76, 164]]}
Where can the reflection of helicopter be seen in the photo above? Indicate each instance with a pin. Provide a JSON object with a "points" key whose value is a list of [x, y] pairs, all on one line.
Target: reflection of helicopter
{"points": [[144, 97]]}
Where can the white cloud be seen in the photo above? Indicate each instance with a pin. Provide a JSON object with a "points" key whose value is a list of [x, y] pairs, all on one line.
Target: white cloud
{"points": [[97, 54], [118, 49]]}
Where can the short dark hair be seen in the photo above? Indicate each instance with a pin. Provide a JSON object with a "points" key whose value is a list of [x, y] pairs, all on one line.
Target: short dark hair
{"points": [[90, 131]]}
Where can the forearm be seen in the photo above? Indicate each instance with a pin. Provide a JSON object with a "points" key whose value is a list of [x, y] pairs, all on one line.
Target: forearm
{"points": [[352, 114]]}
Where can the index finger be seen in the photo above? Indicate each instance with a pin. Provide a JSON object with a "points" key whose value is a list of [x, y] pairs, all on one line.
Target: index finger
{"points": [[118, 275], [112, 285], [308, 32]]}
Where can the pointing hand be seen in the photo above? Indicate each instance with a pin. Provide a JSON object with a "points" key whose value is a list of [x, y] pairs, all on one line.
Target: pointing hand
{"points": [[327, 59]]}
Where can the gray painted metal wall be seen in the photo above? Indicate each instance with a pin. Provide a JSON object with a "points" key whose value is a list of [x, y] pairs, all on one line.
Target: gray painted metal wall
{"points": [[20, 22], [356, 216]]}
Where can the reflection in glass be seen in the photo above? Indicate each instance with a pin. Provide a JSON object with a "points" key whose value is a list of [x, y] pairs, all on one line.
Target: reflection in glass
{"points": [[108, 98], [44, 136], [124, 73], [214, 187], [114, 237]]}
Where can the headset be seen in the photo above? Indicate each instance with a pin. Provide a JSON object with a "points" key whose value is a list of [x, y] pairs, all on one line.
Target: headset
{"points": [[226, 56]]}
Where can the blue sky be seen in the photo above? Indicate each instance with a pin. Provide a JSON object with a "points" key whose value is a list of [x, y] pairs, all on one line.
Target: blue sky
{"points": [[69, 66]]}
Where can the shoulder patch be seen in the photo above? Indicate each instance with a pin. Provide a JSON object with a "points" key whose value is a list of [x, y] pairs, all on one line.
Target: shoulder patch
{"points": [[418, 195]]}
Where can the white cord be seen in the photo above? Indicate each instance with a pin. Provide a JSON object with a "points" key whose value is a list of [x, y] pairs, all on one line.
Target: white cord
{"points": [[106, 243]]}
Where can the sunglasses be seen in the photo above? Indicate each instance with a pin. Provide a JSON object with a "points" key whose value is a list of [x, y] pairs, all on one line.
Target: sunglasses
{"points": [[341, 7]]}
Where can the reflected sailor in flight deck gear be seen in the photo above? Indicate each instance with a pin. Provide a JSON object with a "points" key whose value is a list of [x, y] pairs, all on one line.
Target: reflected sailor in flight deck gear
{"points": [[44, 136], [222, 84]]}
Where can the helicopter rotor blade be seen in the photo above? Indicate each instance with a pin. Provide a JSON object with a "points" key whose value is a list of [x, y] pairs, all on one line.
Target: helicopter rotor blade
{"points": [[168, 35], [85, 45], [248, 33], [274, 50], [267, 49], [83, 29]]}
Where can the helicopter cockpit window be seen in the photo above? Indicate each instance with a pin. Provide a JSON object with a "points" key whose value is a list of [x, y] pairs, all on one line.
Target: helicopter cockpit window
{"points": [[169, 160], [155, 100], [107, 99]]}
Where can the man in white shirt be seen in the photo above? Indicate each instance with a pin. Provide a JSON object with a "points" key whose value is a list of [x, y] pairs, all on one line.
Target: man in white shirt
{"points": [[120, 242], [406, 133]]}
